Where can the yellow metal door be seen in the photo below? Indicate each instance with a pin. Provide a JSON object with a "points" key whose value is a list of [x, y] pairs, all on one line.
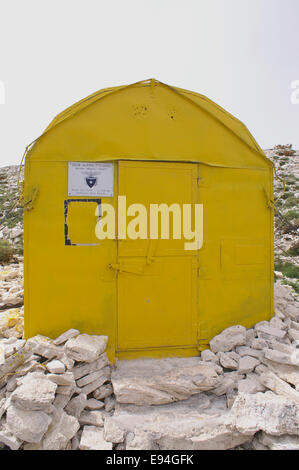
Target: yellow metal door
{"points": [[157, 278]]}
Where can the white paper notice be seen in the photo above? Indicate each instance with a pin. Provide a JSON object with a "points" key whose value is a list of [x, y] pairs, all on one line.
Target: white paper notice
{"points": [[90, 179]]}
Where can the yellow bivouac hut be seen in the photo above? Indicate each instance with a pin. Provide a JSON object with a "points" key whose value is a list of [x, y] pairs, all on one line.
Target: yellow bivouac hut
{"points": [[154, 144]]}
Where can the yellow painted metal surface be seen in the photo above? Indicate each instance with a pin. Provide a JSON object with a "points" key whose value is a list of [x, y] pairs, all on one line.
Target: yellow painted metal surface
{"points": [[167, 145]]}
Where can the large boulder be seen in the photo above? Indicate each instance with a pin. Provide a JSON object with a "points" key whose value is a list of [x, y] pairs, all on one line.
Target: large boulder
{"points": [[36, 393], [271, 381], [199, 423], [273, 414], [279, 442], [86, 348], [229, 339], [62, 429], [93, 439], [156, 382], [29, 426]]}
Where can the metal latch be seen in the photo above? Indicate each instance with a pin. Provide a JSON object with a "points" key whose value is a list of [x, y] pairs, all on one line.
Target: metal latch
{"points": [[123, 268]]}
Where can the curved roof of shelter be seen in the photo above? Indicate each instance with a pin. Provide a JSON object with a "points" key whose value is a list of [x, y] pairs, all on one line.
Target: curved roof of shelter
{"points": [[234, 124], [201, 131]]}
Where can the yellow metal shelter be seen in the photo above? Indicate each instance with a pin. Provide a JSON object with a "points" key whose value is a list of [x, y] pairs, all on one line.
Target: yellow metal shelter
{"points": [[151, 297]]}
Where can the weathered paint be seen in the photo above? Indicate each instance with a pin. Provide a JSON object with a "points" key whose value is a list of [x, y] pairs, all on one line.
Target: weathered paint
{"points": [[149, 130]]}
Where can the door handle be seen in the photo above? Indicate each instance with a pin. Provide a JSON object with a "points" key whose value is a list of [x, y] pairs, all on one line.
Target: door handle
{"points": [[123, 268]]}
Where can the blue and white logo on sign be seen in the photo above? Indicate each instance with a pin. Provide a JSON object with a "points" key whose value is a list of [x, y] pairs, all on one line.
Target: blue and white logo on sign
{"points": [[91, 181]]}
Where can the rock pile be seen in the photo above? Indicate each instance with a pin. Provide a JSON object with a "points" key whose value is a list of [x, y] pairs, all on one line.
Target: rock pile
{"points": [[11, 285], [12, 323], [242, 393], [55, 395]]}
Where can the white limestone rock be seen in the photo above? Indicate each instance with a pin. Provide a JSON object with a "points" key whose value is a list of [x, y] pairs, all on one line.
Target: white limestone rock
{"points": [[76, 405], [259, 344], [110, 403], [250, 385], [229, 339], [93, 418], [13, 347], [284, 442], [92, 376], [229, 381], [86, 348], [91, 387], [55, 367], [66, 390], [8, 439], [2, 354], [268, 412], [66, 336], [229, 360], [103, 392], [112, 432], [278, 323], [14, 361], [207, 355], [250, 335], [285, 372], [284, 302], [93, 439], [66, 379], [62, 429], [29, 426], [293, 334], [226, 384], [2, 407], [247, 351], [281, 346], [140, 440], [155, 382], [11, 383], [282, 357], [248, 364], [44, 346], [93, 404], [84, 369], [61, 401], [266, 331], [35, 393], [198, 423], [261, 369], [67, 361], [277, 385], [31, 365]]}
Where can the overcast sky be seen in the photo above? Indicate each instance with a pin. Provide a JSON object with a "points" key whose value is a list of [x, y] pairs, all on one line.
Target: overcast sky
{"points": [[243, 54]]}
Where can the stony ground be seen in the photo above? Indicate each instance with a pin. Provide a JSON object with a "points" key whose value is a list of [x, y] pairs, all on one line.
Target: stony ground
{"points": [[242, 393], [286, 244]]}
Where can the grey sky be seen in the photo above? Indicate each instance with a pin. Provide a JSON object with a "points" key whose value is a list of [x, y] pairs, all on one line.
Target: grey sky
{"points": [[243, 54]]}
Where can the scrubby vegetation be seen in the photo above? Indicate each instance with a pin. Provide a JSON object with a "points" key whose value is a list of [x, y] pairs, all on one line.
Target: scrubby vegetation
{"points": [[6, 251]]}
